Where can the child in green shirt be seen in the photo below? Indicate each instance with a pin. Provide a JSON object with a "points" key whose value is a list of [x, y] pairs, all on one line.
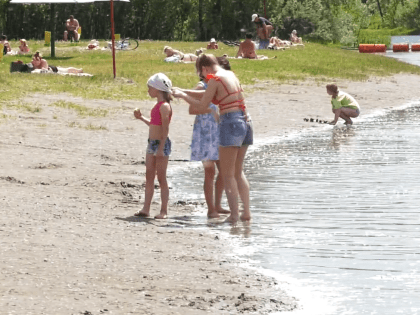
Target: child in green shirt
{"points": [[343, 105]]}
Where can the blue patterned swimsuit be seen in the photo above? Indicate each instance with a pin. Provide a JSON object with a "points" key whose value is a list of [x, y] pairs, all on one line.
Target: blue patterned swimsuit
{"points": [[205, 138]]}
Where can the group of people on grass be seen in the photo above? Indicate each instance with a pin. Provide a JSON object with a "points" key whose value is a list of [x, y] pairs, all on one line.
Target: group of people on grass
{"points": [[222, 133], [247, 48], [72, 27], [7, 49]]}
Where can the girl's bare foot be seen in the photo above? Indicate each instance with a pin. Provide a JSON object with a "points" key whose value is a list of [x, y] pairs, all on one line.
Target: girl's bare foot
{"points": [[220, 210], [246, 216], [213, 215], [232, 219], [142, 213], [161, 216], [348, 122]]}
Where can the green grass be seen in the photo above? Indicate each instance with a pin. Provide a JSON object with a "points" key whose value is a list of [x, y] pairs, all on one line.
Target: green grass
{"points": [[135, 67]]}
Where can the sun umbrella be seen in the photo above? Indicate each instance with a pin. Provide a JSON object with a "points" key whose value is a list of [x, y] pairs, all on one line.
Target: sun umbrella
{"points": [[53, 2]]}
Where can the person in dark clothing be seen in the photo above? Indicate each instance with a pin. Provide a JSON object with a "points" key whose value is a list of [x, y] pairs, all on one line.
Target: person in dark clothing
{"points": [[264, 26]]}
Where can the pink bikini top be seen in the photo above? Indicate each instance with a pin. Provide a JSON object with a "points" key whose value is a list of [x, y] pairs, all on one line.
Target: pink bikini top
{"points": [[155, 117]]}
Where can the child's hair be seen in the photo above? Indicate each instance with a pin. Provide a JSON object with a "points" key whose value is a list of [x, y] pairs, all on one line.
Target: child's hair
{"points": [[223, 62], [205, 60], [3, 37], [332, 88], [167, 96], [248, 36], [166, 48]]}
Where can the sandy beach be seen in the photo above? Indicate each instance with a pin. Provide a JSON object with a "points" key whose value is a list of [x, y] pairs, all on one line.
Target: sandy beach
{"points": [[70, 186]]}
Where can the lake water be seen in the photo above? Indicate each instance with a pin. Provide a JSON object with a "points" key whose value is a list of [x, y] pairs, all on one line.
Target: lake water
{"points": [[335, 214]]}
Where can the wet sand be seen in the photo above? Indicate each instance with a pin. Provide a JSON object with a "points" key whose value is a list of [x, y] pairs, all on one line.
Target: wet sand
{"points": [[70, 186]]}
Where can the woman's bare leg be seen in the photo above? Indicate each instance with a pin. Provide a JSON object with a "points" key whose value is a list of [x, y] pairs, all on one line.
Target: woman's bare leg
{"points": [[242, 182], [150, 185], [161, 166], [209, 173], [228, 156]]}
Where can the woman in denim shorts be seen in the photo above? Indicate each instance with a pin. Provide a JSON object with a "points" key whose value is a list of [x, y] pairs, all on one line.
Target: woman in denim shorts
{"points": [[236, 132]]}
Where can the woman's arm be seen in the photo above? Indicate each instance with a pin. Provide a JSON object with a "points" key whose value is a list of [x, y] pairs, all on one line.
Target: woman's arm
{"points": [[165, 112], [197, 94], [192, 110]]}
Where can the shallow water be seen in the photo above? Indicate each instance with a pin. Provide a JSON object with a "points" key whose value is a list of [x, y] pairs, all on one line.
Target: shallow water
{"points": [[338, 210], [408, 57]]}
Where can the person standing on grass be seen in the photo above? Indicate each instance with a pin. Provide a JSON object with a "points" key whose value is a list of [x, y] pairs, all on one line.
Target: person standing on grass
{"points": [[264, 29], [159, 145], [236, 134], [343, 105]]}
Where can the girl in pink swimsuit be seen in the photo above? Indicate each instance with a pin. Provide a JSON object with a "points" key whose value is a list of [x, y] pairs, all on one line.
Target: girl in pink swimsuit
{"points": [[159, 145]]}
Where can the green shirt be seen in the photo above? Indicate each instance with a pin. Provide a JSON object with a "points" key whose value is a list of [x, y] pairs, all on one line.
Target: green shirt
{"points": [[344, 100]]}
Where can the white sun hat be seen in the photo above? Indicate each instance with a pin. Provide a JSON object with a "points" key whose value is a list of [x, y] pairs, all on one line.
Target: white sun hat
{"points": [[212, 40], [254, 16], [160, 82]]}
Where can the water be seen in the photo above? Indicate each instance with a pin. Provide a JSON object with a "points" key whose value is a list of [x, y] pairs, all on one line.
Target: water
{"points": [[335, 213], [409, 57], [338, 212]]}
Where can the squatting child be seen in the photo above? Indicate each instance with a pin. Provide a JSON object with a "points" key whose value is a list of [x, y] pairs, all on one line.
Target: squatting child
{"points": [[343, 105]]}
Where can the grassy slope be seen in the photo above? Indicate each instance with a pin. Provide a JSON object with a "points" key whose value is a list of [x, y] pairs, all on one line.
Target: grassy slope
{"points": [[314, 60]]}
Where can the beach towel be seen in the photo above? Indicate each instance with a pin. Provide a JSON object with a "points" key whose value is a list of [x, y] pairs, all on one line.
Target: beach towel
{"points": [[174, 58]]}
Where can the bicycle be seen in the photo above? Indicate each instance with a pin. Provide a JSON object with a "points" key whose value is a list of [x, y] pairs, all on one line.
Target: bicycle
{"points": [[127, 44]]}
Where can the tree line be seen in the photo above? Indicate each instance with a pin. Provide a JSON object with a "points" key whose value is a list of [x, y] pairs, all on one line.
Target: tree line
{"points": [[189, 20]]}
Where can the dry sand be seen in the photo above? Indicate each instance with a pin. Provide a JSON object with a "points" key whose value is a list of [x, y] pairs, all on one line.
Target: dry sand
{"points": [[69, 188]]}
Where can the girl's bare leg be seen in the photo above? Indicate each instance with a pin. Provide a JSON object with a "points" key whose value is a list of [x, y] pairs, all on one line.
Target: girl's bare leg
{"points": [[150, 185], [228, 156], [161, 166], [209, 173], [346, 113], [219, 192], [242, 182]]}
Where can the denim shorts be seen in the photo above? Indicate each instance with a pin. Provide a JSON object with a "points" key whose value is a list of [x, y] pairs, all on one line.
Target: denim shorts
{"points": [[153, 146], [235, 131]]}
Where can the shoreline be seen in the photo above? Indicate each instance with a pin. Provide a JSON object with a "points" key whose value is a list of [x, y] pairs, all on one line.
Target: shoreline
{"points": [[70, 242]]}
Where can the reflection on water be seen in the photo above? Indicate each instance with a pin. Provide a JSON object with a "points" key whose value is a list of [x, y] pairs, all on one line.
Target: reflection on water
{"points": [[339, 211]]}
